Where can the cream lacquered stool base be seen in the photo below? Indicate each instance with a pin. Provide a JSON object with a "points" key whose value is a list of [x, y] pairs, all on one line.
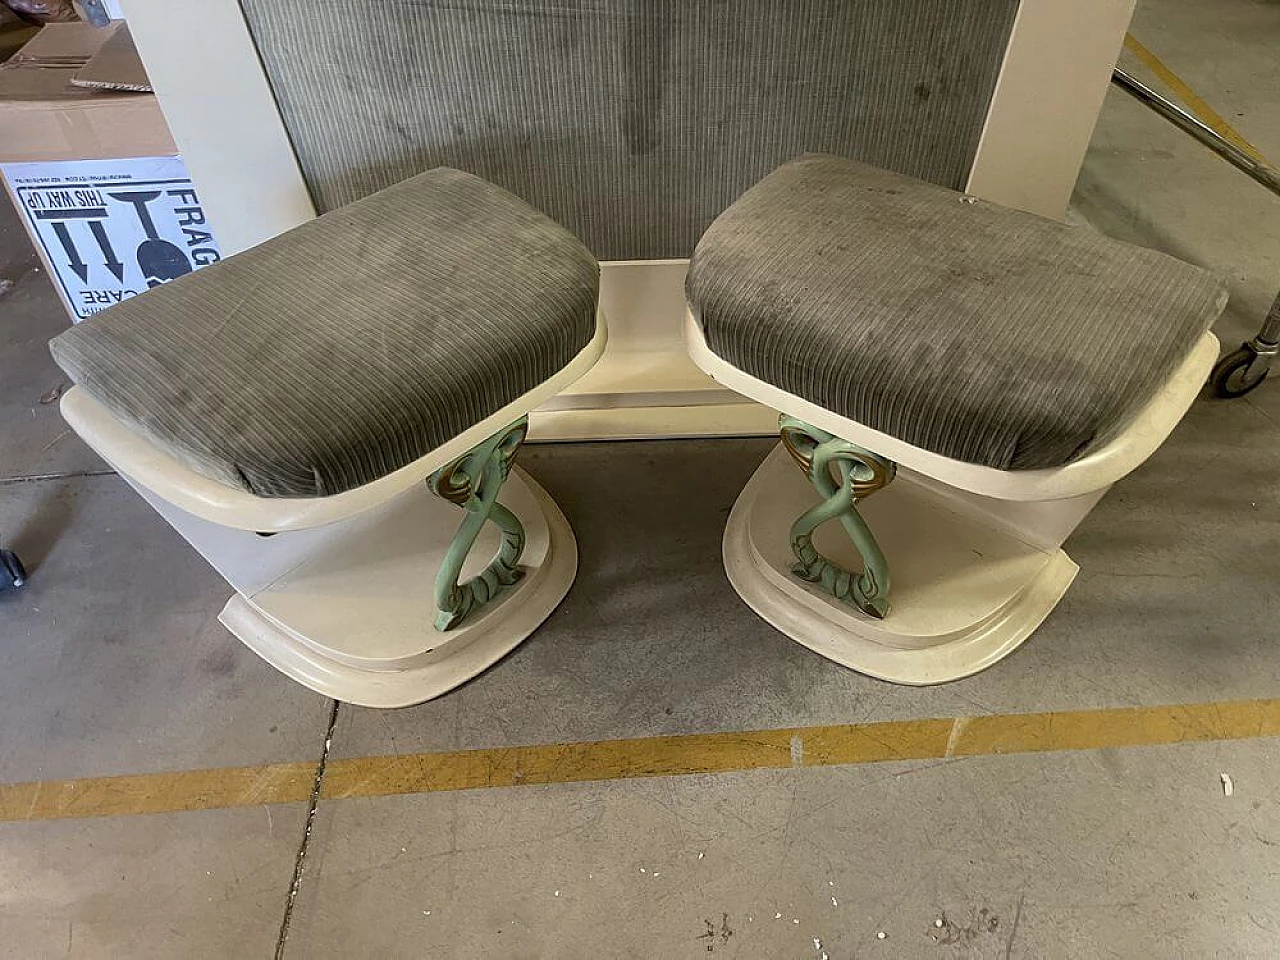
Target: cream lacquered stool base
{"points": [[341, 597], [354, 620], [347, 608], [975, 554], [965, 594]]}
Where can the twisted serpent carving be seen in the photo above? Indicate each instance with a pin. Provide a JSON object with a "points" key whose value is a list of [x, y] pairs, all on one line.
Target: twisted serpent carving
{"points": [[843, 474]]}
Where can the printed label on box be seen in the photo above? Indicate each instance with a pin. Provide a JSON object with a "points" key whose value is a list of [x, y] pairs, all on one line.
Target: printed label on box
{"points": [[112, 229]]}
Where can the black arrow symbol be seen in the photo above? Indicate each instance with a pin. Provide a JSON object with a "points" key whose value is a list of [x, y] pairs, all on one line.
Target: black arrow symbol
{"points": [[109, 258], [73, 255]]}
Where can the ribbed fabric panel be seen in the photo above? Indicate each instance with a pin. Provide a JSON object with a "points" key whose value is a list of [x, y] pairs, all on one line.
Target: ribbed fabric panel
{"points": [[981, 333], [351, 346], [632, 122]]}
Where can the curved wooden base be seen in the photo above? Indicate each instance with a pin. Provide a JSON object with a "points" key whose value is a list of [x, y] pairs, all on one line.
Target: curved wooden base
{"points": [[965, 593], [354, 619]]}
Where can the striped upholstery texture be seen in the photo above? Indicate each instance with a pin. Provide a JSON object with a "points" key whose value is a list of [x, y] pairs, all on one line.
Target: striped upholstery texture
{"points": [[350, 346], [977, 332], [632, 122]]}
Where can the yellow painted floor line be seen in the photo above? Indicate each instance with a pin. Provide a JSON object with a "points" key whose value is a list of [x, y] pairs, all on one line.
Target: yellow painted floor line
{"points": [[157, 792], [818, 746], [1194, 102]]}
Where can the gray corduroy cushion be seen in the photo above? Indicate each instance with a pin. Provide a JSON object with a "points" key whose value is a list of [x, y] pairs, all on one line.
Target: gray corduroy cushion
{"points": [[974, 331], [350, 346]]}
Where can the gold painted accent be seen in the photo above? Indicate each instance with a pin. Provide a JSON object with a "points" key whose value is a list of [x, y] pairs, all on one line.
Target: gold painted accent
{"points": [[862, 487], [1203, 112], [451, 487], [803, 460], [457, 489], [643, 757]]}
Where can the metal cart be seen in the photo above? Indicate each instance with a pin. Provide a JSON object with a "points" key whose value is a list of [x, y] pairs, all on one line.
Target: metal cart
{"points": [[1244, 369]]}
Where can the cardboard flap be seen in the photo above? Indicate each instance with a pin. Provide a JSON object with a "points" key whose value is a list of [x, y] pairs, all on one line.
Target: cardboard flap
{"points": [[43, 69], [63, 44], [116, 66]]}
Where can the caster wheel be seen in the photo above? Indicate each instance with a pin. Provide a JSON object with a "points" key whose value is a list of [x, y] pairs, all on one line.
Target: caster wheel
{"points": [[12, 574], [1232, 377]]}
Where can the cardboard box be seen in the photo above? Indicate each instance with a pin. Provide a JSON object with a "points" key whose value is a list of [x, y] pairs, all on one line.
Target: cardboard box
{"points": [[95, 176], [116, 65]]}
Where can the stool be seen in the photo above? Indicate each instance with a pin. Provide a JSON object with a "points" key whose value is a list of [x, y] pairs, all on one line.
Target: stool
{"points": [[986, 373], [331, 419]]}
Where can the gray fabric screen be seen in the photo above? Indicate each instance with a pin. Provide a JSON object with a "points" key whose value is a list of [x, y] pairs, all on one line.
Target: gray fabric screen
{"points": [[631, 122]]}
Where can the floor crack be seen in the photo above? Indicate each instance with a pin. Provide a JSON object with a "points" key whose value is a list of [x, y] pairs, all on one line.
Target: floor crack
{"points": [[299, 863], [71, 475]]}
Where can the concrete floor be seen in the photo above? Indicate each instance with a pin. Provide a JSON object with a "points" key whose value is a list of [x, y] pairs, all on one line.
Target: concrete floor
{"points": [[112, 662]]}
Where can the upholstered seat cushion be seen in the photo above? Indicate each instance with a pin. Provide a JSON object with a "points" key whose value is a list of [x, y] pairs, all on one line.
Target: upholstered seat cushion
{"points": [[350, 346], [977, 332]]}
